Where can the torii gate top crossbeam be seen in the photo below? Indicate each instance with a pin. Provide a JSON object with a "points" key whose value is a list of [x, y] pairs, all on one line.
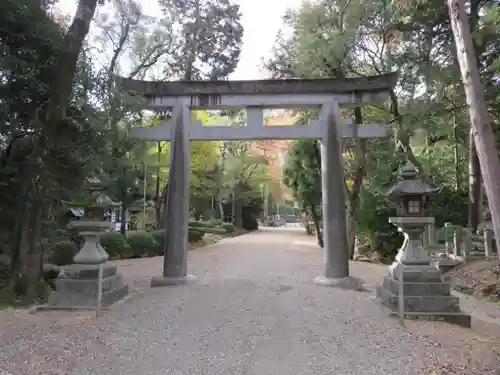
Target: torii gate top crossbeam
{"points": [[263, 93], [255, 96]]}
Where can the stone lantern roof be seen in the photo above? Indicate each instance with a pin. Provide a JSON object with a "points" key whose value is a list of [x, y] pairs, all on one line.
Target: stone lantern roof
{"points": [[102, 201], [410, 185]]}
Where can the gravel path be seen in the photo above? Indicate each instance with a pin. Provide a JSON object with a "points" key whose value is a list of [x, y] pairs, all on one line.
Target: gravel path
{"points": [[253, 310]]}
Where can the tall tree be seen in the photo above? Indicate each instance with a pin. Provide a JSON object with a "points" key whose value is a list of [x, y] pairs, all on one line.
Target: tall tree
{"points": [[208, 41], [483, 134], [51, 122], [302, 175]]}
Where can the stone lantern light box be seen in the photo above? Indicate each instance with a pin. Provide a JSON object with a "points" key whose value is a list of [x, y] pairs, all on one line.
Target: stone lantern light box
{"points": [[410, 194]]}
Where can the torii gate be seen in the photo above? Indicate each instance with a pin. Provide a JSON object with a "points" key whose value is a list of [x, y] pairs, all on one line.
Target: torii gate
{"points": [[326, 94]]}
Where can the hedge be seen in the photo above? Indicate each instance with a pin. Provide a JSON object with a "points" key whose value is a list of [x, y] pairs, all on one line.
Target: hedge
{"points": [[115, 245], [228, 227], [203, 224], [159, 237], [63, 253], [195, 235], [213, 230], [143, 244]]}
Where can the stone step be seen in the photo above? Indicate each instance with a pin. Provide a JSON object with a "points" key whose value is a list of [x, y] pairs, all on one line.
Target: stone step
{"points": [[88, 286], [419, 304], [458, 318], [417, 273], [418, 288], [82, 271], [85, 301]]}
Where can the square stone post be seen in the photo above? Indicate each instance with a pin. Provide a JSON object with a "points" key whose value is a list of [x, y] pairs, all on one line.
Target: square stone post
{"points": [[448, 238], [425, 236], [457, 242], [336, 249], [488, 243], [432, 234], [467, 243], [177, 207]]}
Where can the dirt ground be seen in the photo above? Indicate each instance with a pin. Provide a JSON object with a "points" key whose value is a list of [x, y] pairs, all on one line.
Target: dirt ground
{"points": [[477, 278]]}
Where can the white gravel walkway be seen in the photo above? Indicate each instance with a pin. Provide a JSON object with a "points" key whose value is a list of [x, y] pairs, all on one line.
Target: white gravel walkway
{"points": [[254, 310]]}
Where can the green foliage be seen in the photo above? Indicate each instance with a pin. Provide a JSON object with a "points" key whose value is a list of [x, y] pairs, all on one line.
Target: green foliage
{"points": [[195, 234], [214, 52], [159, 237], [302, 174], [249, 221], [228, 227], [214, 230], [374, 230], [115, 245], [143, 244], [63, 253], [430, 127], [203, 224], [448, 205]]}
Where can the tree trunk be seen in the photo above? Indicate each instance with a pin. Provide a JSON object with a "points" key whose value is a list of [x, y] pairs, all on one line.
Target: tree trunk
{"points": [[305, 222], [27, 250], [62, 85], [475, 186], [123, 221], [157, 188], [484, 138], [163, 207], [456, 152], [317, 225], [403, 133], [221, 210], [353, 195], [238, 214]]}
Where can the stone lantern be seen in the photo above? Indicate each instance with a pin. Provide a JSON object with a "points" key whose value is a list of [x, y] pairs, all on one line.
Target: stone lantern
{"points": [[91, 227], [426, 296], [410, 193], [410, 196], [77, 285]]}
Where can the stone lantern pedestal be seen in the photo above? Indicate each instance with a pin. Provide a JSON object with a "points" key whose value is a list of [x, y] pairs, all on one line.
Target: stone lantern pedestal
{"points": [[80, 284], [425, 294]]}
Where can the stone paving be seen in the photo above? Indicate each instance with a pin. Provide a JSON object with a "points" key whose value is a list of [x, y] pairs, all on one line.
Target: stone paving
{"points": [[253, 310]]}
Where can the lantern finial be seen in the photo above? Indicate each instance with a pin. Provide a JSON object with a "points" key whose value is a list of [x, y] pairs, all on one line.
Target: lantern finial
{"points": [[409, 171]]}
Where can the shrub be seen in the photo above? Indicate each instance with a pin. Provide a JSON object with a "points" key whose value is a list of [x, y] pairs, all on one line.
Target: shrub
{"points": [[142, 244], [373, 224], [115, 245], [203, 224], [250, 222], [228, 227], [152, 226], [63, 253], [50, 273], [213, 230], [194, 235], [198, 229], [159, 237]]}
